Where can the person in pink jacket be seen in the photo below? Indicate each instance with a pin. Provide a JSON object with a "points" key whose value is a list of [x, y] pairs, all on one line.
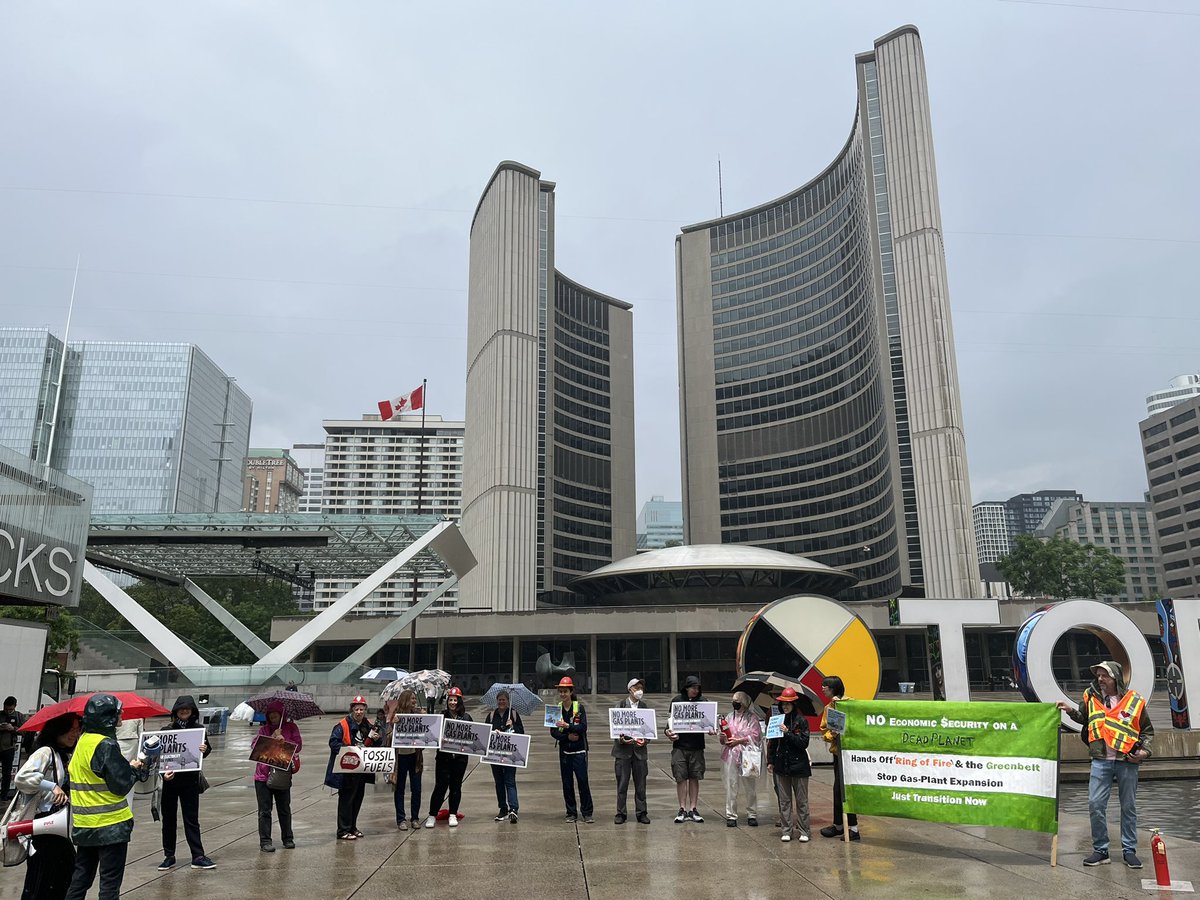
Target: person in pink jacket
{"points": [[741, 758], [278, 726]]}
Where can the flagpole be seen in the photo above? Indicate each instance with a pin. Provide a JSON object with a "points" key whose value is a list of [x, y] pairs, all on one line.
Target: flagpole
{"points": [[412, 629]]}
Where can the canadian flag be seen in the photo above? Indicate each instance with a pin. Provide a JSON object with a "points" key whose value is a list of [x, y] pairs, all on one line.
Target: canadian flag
{"points": [[412, 401]]}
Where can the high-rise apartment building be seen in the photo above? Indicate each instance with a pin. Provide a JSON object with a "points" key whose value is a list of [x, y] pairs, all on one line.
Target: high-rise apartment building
{"points": [[548, 486], [1181, 389], [311, 460], [659, 523], [992, 530], [154, 428], [1126, 529], [396, 467], [1171, 448], [1026, 511], [819, 401], [272, 482]]}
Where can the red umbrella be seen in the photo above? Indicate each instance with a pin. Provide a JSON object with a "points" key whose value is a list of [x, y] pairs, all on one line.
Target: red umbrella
{"points": [[133, 706]]}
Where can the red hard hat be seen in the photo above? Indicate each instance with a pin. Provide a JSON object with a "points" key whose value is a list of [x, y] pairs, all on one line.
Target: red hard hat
{"points": [[359, 700], [788, 696], [454, 692], [566, 682]]}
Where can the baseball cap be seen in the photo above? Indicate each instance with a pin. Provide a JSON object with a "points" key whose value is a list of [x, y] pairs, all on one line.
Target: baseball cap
{"points": [[632, 682]]}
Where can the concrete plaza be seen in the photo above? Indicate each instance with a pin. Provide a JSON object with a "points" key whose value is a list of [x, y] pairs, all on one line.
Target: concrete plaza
{"points": [[542, 854]]}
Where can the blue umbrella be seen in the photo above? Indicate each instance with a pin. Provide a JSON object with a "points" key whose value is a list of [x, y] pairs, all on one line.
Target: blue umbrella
{"points": [[387, 673], [520, 698]]}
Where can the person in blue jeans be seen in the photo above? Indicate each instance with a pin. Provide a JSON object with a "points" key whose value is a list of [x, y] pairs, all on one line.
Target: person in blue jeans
{"points": [[409, 765], [1118, 733], [571, 734], [505, 718]]}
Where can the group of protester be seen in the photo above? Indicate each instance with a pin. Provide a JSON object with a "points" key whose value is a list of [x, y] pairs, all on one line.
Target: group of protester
{"points": [[78, 760]]}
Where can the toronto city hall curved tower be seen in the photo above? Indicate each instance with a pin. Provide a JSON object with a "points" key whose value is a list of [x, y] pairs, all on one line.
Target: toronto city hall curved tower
{"points": [[819, 397], [548, 488]]}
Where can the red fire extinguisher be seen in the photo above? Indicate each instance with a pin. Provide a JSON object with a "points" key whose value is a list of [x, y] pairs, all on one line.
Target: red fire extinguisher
{"points": [[1158, 849], [724, 726]]}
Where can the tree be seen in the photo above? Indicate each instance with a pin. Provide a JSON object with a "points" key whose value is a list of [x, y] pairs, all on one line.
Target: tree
{"points": [[1061, 568]]}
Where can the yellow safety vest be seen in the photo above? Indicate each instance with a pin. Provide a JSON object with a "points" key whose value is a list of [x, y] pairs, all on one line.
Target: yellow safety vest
{"points": [[93, 805], [1118, 727]]}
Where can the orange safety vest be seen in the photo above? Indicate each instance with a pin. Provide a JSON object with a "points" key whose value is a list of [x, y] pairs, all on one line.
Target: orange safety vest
{"points": [[1118, 727]]}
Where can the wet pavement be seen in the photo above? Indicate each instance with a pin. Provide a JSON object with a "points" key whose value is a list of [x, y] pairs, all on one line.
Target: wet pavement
{"points": [[1160, 804], [542, 854]]}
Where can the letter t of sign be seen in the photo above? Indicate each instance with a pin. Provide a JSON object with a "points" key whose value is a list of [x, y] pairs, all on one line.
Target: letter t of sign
{"points": [[950, 616]]}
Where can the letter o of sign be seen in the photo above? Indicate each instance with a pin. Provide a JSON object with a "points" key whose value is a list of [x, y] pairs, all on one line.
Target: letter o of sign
{"points": [[1116, 631]]}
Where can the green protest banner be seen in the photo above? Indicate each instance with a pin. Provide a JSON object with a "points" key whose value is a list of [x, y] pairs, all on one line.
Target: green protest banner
{"points": [[966, 763]]}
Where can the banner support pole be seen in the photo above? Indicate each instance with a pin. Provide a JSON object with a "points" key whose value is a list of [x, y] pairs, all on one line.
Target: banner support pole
{"points": [[1054, 850]]}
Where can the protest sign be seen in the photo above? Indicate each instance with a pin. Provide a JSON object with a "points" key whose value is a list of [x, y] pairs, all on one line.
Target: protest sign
{"points": [[506, 748], [693, 717], [180, 749], [835, 720], [417, 731], [967, 763], [553, 714], [365, 761], [273, 751], [459, 736], [639, 724], [775, 726]]}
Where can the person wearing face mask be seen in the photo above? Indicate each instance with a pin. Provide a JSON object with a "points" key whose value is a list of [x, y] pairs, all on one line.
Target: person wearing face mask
{"points": [[741, 759], [630, 759], [353, 731]]}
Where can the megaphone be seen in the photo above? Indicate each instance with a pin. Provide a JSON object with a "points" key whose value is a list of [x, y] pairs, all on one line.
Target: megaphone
{"points": [[58, 824], [149, 754]]}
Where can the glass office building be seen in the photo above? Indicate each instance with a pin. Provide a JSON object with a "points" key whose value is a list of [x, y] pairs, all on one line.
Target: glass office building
{"points": [[30, 359], [819, 396], [154, 428]]}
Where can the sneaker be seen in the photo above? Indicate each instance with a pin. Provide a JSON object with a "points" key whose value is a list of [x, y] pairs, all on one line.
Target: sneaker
{"points": [[570, 819], [785, 838], [803, 839], [588, 820], [430, 822], [452, 821], [619, 819], [1131, 859], [402, 825], [414, 824], [502, 816], [752, 822], [730, 822], [167, 864], [266, 847], [696, 817], [680, 816], [687, 816], [1098, 858], [644, 819], [831, 831], [512, 817], [289, 844], [203, 862]]}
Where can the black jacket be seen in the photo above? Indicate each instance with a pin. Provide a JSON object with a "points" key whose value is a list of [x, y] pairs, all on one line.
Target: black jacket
{"points": [[692, 740], [187, 779], [576, 725], [789, 754]]}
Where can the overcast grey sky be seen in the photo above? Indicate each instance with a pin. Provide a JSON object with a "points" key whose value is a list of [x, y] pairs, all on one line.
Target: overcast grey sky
{"points": [[289, 186]]}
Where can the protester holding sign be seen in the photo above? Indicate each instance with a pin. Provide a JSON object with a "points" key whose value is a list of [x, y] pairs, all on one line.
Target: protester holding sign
{"points": [[788, 755], [10, 722], [273, 785], [630, 758], [834, 690], [181, 792], [506, 719], [1118, 733], [687, 758], [741, 758], [353, 731], [571, 733], [410, 763], [449, 768]]}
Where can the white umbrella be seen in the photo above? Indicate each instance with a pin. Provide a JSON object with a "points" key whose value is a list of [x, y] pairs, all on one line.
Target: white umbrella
{"points": [[387, 673], [243, 712]]}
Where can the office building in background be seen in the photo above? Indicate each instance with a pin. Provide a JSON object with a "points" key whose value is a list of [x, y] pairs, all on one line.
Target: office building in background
{"points": [[272, 482], [660, 524], [153, 428], [1126, 529], [548, 484], [311, 460], [1181, 389], [819, 399], [1171, 448]]}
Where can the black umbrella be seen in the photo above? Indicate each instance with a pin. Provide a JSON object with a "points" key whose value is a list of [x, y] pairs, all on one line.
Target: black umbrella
{"points": [[760, 686]]}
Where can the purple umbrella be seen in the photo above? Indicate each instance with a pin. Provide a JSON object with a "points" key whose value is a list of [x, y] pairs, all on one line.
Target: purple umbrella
{"points": [[295, 704]]}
